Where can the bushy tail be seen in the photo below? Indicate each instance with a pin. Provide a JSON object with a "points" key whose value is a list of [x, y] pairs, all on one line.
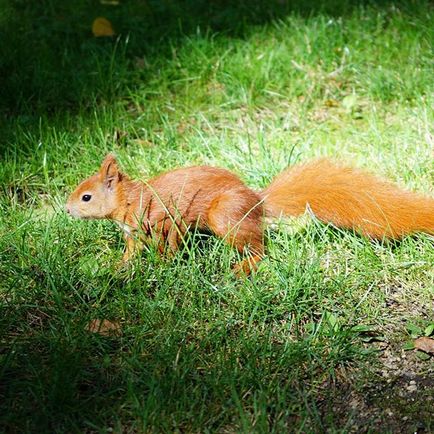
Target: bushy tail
{"points": [[349, 198]]}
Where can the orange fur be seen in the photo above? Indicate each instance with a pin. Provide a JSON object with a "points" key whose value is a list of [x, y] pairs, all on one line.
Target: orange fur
{"points": [[349, 198], [210, 198], [165, 207]]}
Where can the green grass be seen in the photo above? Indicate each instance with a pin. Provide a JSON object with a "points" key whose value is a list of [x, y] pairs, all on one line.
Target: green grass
{"points": [[252, 87]]}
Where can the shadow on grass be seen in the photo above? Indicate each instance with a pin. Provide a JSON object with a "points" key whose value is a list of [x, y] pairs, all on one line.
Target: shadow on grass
{"points": [[54, 385], [88, 383], [51, 62]]}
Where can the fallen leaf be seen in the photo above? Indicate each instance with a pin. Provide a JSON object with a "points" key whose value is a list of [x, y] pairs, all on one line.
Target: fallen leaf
{"points": [[424, 344], [102, 27], [104, 327]]}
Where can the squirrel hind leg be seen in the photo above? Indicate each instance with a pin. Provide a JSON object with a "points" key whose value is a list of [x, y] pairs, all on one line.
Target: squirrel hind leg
{"points": [[237, 219]]}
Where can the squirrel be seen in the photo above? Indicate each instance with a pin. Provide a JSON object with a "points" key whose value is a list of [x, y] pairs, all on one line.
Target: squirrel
{"points": [[214, 199]]}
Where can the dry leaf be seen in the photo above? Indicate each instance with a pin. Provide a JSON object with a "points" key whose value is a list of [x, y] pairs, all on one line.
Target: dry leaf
{"points": [[102, 27], [424, 344], [104, 327]]}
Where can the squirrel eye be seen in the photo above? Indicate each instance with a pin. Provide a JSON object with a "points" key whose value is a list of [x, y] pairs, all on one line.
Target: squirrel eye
{"points": [[86, 197]]}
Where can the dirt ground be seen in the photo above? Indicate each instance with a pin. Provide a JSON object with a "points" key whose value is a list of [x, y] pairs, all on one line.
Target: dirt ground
{"points": [[396, 396]]}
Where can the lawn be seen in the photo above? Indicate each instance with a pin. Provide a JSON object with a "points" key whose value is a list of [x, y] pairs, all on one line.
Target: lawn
{"points": [[319, 339]]}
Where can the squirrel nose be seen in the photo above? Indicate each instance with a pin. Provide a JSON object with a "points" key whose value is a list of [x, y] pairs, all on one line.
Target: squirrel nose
{"points": [[67, 209]]}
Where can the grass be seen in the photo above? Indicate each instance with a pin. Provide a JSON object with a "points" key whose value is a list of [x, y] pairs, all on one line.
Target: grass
{"points": [[306, 344]]}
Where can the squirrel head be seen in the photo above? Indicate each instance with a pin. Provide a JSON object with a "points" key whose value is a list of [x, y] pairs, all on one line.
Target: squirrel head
{"points": [[98, 196]]}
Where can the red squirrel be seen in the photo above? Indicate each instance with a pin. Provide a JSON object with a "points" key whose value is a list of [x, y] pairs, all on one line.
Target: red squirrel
{"points": [[214, 199]]}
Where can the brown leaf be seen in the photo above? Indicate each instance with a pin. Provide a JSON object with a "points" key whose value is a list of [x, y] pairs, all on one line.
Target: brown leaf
{"points": [[104, 327], [102, 27], [424, 344]]}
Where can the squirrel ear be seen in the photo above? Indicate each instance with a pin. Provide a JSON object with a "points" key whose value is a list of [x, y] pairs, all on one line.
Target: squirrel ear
{"points": [[109, 171]]}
